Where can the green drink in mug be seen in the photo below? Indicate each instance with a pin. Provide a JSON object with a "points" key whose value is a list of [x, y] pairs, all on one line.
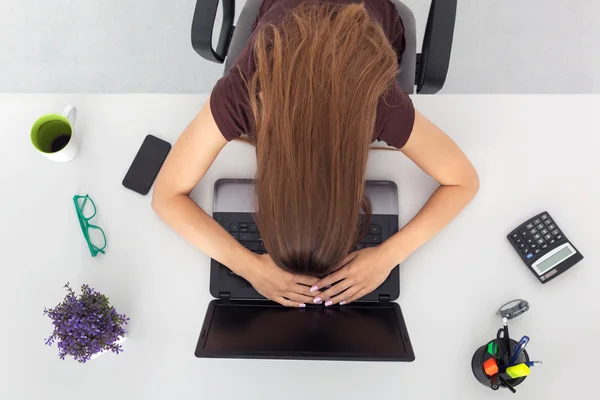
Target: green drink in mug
{"points": [[53, 135]]}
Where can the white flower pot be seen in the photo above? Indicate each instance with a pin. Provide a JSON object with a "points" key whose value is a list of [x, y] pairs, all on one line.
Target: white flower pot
{"points": [[120, 340]]}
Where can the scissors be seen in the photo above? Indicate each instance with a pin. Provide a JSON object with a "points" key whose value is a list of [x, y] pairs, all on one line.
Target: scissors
{"points": [[504, 340], [513, 309]]}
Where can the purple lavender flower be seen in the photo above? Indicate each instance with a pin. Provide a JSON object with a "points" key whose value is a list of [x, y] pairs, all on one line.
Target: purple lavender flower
{"points": [[85, 325]]}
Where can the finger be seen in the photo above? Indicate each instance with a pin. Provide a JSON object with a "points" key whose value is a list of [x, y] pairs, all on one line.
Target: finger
{"points": [[330, 280], [299, 298], [305, 280], [335, 290], [288, 303], [343, 296], [305, 290], [357, 296]]}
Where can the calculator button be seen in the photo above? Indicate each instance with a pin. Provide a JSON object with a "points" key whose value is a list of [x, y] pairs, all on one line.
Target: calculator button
{"points": [[548, 222], [540, 226], [537, 236], [514, 235], [540, 241], [235, 235], [529, 256], [559, 237], [536, 251], [529, 226], [551, 241], [551, 226], [525, 250], [544, 216], [243, 225], [544, 246], [533, 246], [243, 230], [253, 228], [529, 241], [533, 231], [524, 234], [233, 227], [536, 221], [519, 240], [555, 232], [548, 237], [522, 246], [544, 231]]}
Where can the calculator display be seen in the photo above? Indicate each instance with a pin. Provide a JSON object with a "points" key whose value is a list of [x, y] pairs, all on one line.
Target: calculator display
{"points": [[551, 261]]}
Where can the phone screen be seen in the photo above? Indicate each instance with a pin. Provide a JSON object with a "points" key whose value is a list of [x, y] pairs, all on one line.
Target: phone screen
{"points": [[146, 164]]}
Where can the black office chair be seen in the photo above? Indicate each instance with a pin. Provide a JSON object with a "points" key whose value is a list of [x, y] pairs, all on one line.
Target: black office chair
{"points": [[426, 70]]}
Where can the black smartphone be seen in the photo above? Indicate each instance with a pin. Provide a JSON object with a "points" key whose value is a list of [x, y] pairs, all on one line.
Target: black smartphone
{"points": [[146, 164]]}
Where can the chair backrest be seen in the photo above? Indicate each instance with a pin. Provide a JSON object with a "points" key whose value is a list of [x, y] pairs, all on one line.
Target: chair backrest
{"points": [[408, 64]]}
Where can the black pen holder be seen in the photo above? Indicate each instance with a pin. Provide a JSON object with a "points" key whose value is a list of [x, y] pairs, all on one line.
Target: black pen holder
{"points": [[481, 355]]}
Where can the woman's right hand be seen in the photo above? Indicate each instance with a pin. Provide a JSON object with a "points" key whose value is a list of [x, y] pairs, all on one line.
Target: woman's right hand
{"points": [[278, 285]]}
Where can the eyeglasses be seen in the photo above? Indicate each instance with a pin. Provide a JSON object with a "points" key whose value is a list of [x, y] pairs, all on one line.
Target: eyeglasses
{"points": [[93, 234]]}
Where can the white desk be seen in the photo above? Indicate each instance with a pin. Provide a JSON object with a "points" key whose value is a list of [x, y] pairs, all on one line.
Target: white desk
{"points": [[532, 153]]}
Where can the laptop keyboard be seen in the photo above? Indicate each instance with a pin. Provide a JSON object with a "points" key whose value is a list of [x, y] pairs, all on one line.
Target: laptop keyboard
{"points": [[249, 237]]}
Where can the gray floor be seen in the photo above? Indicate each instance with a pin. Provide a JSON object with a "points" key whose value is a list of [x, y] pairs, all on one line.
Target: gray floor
{"points": [[121, 46]]}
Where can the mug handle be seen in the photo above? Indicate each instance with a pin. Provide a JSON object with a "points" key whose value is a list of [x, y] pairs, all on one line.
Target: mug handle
{"points": [[70, 113]]}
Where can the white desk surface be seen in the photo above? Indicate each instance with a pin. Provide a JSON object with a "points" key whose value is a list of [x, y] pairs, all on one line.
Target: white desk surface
{"points": [[533, 153]]}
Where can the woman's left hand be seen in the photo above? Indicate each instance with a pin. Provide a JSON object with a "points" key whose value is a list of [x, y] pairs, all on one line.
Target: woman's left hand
{"points": [[360, 273]]}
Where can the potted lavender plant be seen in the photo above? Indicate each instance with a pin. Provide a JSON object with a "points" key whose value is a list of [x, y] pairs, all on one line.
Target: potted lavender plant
{"points": [[86, 326]]}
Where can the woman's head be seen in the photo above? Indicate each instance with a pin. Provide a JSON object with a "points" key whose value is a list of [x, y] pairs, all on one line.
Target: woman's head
{"points": [[314, 96]]}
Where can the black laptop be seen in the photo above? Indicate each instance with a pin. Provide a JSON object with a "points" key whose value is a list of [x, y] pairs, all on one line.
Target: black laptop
{"points": [[241, 323]]}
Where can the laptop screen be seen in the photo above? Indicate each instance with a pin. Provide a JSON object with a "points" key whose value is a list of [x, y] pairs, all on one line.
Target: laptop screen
{"points": [[264, 330]]}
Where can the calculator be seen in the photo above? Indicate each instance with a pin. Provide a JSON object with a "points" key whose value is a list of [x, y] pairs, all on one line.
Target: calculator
{"points": [[543, 247]]}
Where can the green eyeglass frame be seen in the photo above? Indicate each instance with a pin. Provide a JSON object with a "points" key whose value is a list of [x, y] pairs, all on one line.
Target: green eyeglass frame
{"points": [[84, 222]]}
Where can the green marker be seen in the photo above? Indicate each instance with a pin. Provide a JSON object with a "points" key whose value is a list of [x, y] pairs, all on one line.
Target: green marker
{"points": [[493, 348]]}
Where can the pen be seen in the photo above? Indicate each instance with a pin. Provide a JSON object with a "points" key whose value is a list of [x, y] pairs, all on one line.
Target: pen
{"points": [[519, 349], [532, 363], [507, 385], [494, 382]]}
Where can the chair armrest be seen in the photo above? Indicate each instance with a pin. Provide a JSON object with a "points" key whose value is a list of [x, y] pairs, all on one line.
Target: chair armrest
{"points": [[202, 29], [433, 62]]}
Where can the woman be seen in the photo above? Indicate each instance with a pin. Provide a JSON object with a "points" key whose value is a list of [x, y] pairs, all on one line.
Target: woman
{"points": [[313, 88]]}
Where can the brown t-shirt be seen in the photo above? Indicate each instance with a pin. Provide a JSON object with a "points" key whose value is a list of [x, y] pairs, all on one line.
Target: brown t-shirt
{"points": [[229, 98]]}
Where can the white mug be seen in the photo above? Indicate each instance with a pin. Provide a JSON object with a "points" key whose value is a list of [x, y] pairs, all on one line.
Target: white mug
{"points": [[53, 135]]}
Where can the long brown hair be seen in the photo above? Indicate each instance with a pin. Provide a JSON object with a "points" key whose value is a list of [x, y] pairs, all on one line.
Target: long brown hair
{"points": [[314, 98]]}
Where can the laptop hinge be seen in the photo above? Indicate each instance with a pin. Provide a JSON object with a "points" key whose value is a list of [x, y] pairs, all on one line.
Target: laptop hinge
{"points": [[384, 298], [224, 296]]}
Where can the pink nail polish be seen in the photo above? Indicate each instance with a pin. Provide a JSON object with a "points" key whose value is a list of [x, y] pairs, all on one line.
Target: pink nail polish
{"points": [[317, 300], [328, 303], [314, 289], [301, 305], [342, 303]]}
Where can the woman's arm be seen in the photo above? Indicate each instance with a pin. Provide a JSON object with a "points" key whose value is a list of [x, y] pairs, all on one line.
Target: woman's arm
{"points": [[191, 156], [438, 156], [193, 153], [435, 153]]}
